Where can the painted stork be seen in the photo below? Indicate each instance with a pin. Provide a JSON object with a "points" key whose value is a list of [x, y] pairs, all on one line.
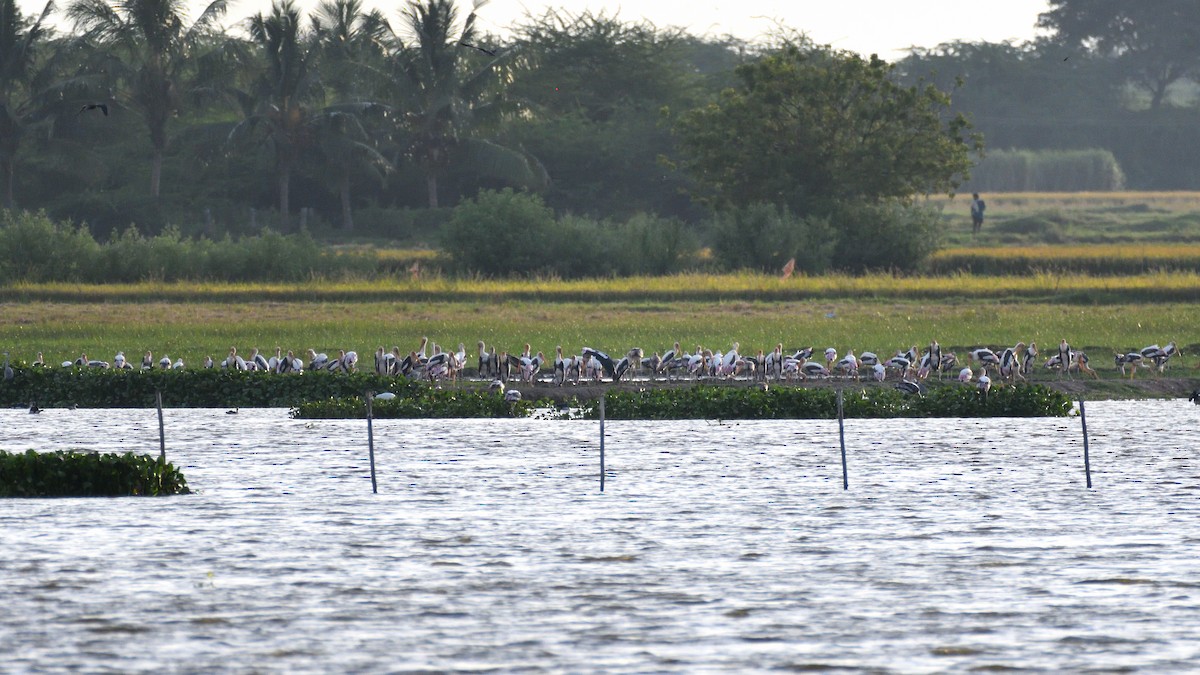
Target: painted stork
{"points": [[984, 385], [909, 387]]}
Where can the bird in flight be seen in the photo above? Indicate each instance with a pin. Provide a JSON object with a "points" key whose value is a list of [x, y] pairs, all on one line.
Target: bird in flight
{"points": [[485, 51], [92, 106]]}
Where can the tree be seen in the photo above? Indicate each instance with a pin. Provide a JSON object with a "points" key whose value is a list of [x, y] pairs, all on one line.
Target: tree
{"points": [[18, 42], [812, 128], [448, 92], [1156, 43], [350, 40], [154, 47], [282, 92], [593, 87]]}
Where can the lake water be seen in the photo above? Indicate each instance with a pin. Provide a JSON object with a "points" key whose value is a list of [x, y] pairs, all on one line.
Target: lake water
{"points": [[961, 545]]}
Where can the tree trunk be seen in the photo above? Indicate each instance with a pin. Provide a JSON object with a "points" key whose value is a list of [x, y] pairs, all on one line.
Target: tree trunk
{"points": [[8, 170], [285, 176], [347, 216], [431, 186], [156, 163]]}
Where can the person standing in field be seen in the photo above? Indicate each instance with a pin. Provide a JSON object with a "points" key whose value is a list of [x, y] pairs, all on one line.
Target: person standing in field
{"points": [[977, 207]]}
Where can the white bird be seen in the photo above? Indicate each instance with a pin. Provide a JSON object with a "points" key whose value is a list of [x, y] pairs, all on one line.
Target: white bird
{"points": [[985, 384], [385, 396], [878, 372], [317, 361], [119, 361], [909, 388], [830, 357], [965, 375], [848, 364], [165, 363], [178, 365], [208, 362]]}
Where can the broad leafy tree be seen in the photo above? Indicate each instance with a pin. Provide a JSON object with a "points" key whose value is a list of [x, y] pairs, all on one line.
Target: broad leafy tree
{"points": [[153, 48], [1154, 43], [811, 128], [19, 40]]}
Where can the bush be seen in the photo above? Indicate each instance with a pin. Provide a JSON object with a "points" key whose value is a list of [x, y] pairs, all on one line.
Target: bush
{"points": [[887, 236], [764, 237], [34, 248], [87, 474], [501, 233]]}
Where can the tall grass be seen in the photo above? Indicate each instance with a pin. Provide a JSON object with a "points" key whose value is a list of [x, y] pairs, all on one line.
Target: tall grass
{"points": [[1046, 285], [1093, 259], [1046, 170]]}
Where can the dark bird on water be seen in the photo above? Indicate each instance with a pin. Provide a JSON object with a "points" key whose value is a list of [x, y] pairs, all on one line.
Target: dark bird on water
{"points": [[34, 409], [485, 51], [1195, 397], [92, 106]]}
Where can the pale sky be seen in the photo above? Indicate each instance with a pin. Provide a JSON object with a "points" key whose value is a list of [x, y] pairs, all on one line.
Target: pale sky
{"points": [[886, 27]]}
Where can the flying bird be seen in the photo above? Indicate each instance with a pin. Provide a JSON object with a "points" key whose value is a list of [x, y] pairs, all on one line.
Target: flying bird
{"points": [[92, 106], [485, 51]]}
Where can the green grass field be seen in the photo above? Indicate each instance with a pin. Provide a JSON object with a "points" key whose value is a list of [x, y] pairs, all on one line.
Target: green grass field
{"points": [[196, 329]]}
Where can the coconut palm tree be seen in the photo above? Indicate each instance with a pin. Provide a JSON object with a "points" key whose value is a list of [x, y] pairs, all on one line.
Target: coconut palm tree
{"points": [[448, 89], [352, 43], [18, 42], [154, 48]]}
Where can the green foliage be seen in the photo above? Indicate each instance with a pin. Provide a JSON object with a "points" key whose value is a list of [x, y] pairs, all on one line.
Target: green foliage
{"points": [[810, 127], [506, 232], [206, 388], [34, 249], [890, 236], [780, 402], [500, 233], [1046, 171], [764, 237], [421, 404], [87, 474]]}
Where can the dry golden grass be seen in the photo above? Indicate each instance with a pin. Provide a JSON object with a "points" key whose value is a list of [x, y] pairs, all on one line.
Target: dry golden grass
{"points": [[1171, 201]]}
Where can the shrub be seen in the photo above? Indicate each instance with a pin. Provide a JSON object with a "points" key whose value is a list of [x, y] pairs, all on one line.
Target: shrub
{"points": [[501, 233], [887, 236], [764, 237], [87, 474]]}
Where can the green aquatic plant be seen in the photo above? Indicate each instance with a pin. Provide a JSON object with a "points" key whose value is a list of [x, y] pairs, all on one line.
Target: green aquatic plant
{"points": [[69, 473]]}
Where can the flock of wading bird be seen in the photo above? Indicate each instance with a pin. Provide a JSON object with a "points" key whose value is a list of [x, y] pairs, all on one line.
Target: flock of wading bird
{"points": [[910, 367]]}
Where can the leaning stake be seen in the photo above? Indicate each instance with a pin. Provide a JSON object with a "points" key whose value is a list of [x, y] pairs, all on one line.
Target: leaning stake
{"points": [[602, 442], [1087, 464], [842, 441], [371, 442], [162, 439]]}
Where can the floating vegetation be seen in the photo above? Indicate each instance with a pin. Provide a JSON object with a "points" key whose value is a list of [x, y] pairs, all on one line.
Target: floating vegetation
{"points": [[756, 403], [421, 404], [721, 403], [87, 474]]}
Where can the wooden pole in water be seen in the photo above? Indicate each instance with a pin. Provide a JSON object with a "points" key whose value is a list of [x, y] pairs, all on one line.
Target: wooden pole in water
{"points": [[602, 442], [162, 438], [1087, 464], [842, 441], [371, 442]]}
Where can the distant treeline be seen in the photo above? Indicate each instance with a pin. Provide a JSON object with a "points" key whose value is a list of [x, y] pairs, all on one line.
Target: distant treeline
{"points": [[235, 131]]}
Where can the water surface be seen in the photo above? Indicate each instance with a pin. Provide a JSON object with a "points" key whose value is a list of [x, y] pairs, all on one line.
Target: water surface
{"points": [[961, 545]]}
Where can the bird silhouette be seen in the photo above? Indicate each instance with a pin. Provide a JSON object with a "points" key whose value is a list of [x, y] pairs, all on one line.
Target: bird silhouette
{"points": [[485, 51], [92, 106]]}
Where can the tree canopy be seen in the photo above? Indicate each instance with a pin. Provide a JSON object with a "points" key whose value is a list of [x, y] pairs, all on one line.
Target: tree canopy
{"points": [[1155, 43], [808, 128]]}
